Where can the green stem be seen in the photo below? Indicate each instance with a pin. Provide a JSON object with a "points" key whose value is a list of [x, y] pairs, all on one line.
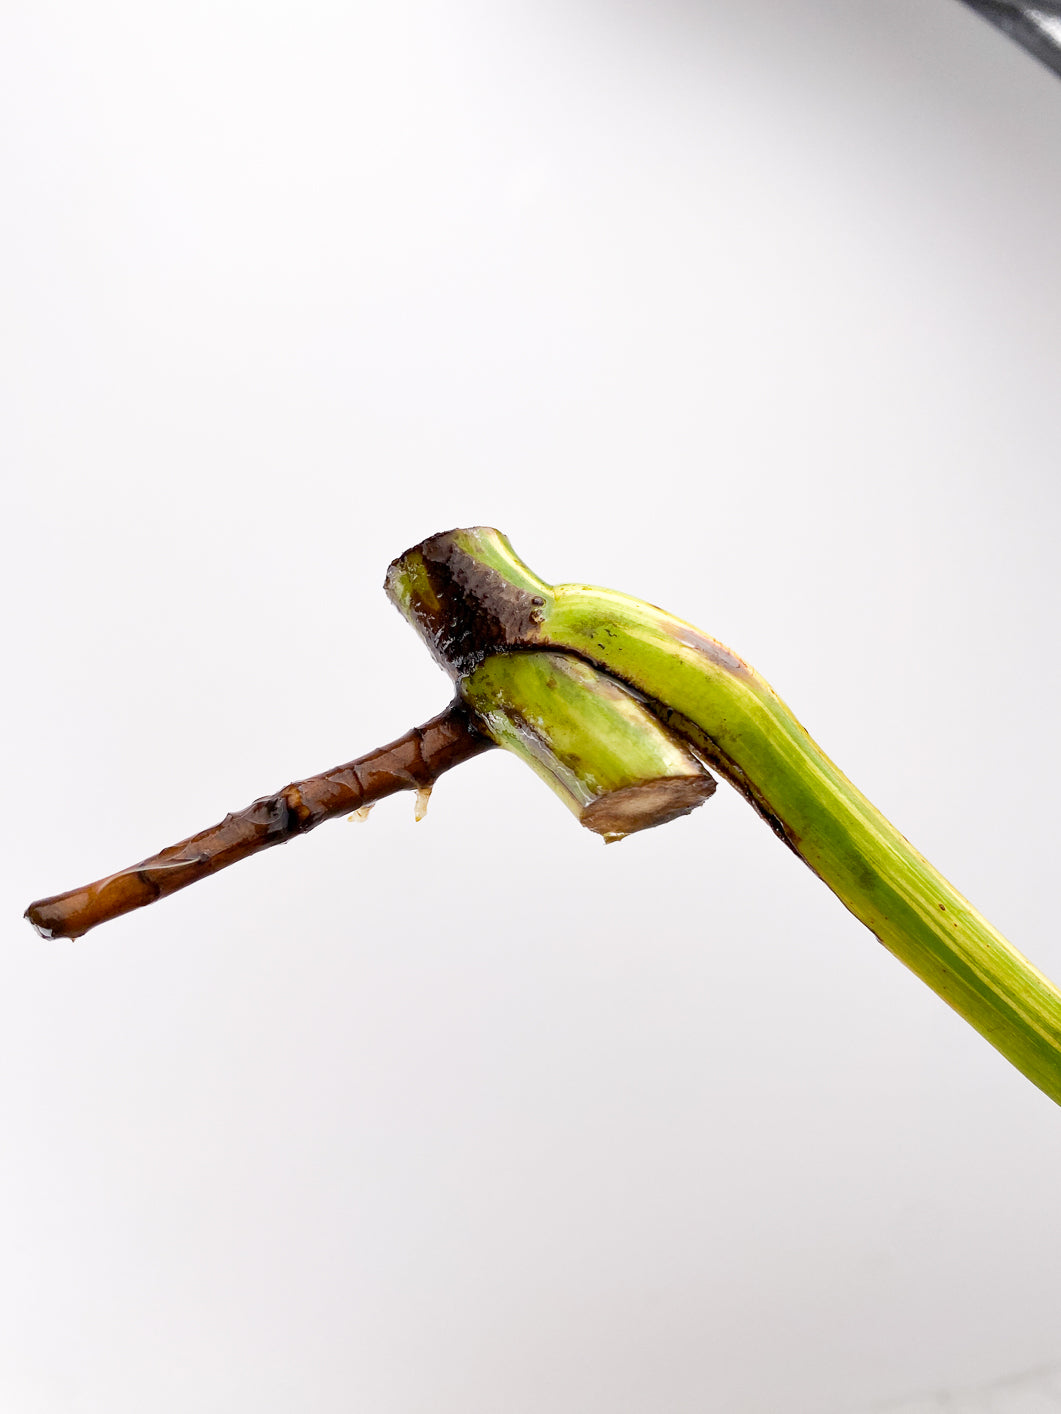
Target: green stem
{"points": [[468, 587], [608, 758]]}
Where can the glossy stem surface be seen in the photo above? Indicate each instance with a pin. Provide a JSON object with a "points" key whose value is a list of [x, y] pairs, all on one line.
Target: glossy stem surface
{"points": [[469, 585], [413, 762]]}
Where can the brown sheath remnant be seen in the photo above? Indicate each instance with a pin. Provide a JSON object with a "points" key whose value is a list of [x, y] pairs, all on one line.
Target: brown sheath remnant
{"points": [[413, 762]]}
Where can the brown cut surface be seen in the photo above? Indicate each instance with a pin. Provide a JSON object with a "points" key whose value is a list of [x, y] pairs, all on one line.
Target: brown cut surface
{"points": [[640, 807]]}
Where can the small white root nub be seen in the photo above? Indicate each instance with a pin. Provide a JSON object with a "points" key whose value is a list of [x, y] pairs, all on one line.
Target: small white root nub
{"points": [[423, 795], [361, 815]]}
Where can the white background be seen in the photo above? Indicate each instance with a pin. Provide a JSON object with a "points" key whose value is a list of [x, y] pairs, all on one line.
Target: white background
{"points": [[751, 311]]}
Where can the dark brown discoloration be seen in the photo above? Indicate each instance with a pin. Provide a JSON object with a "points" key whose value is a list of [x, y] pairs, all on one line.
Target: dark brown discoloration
{"points": [[713, 651], [471, 610], [413, 762]]}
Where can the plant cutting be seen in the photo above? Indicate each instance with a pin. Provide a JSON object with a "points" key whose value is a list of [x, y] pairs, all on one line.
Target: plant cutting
{"points": [[622, 708]]}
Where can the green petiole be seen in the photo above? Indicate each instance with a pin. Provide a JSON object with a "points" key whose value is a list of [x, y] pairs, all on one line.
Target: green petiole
{"points": [[608, 758], [471, 597]]}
